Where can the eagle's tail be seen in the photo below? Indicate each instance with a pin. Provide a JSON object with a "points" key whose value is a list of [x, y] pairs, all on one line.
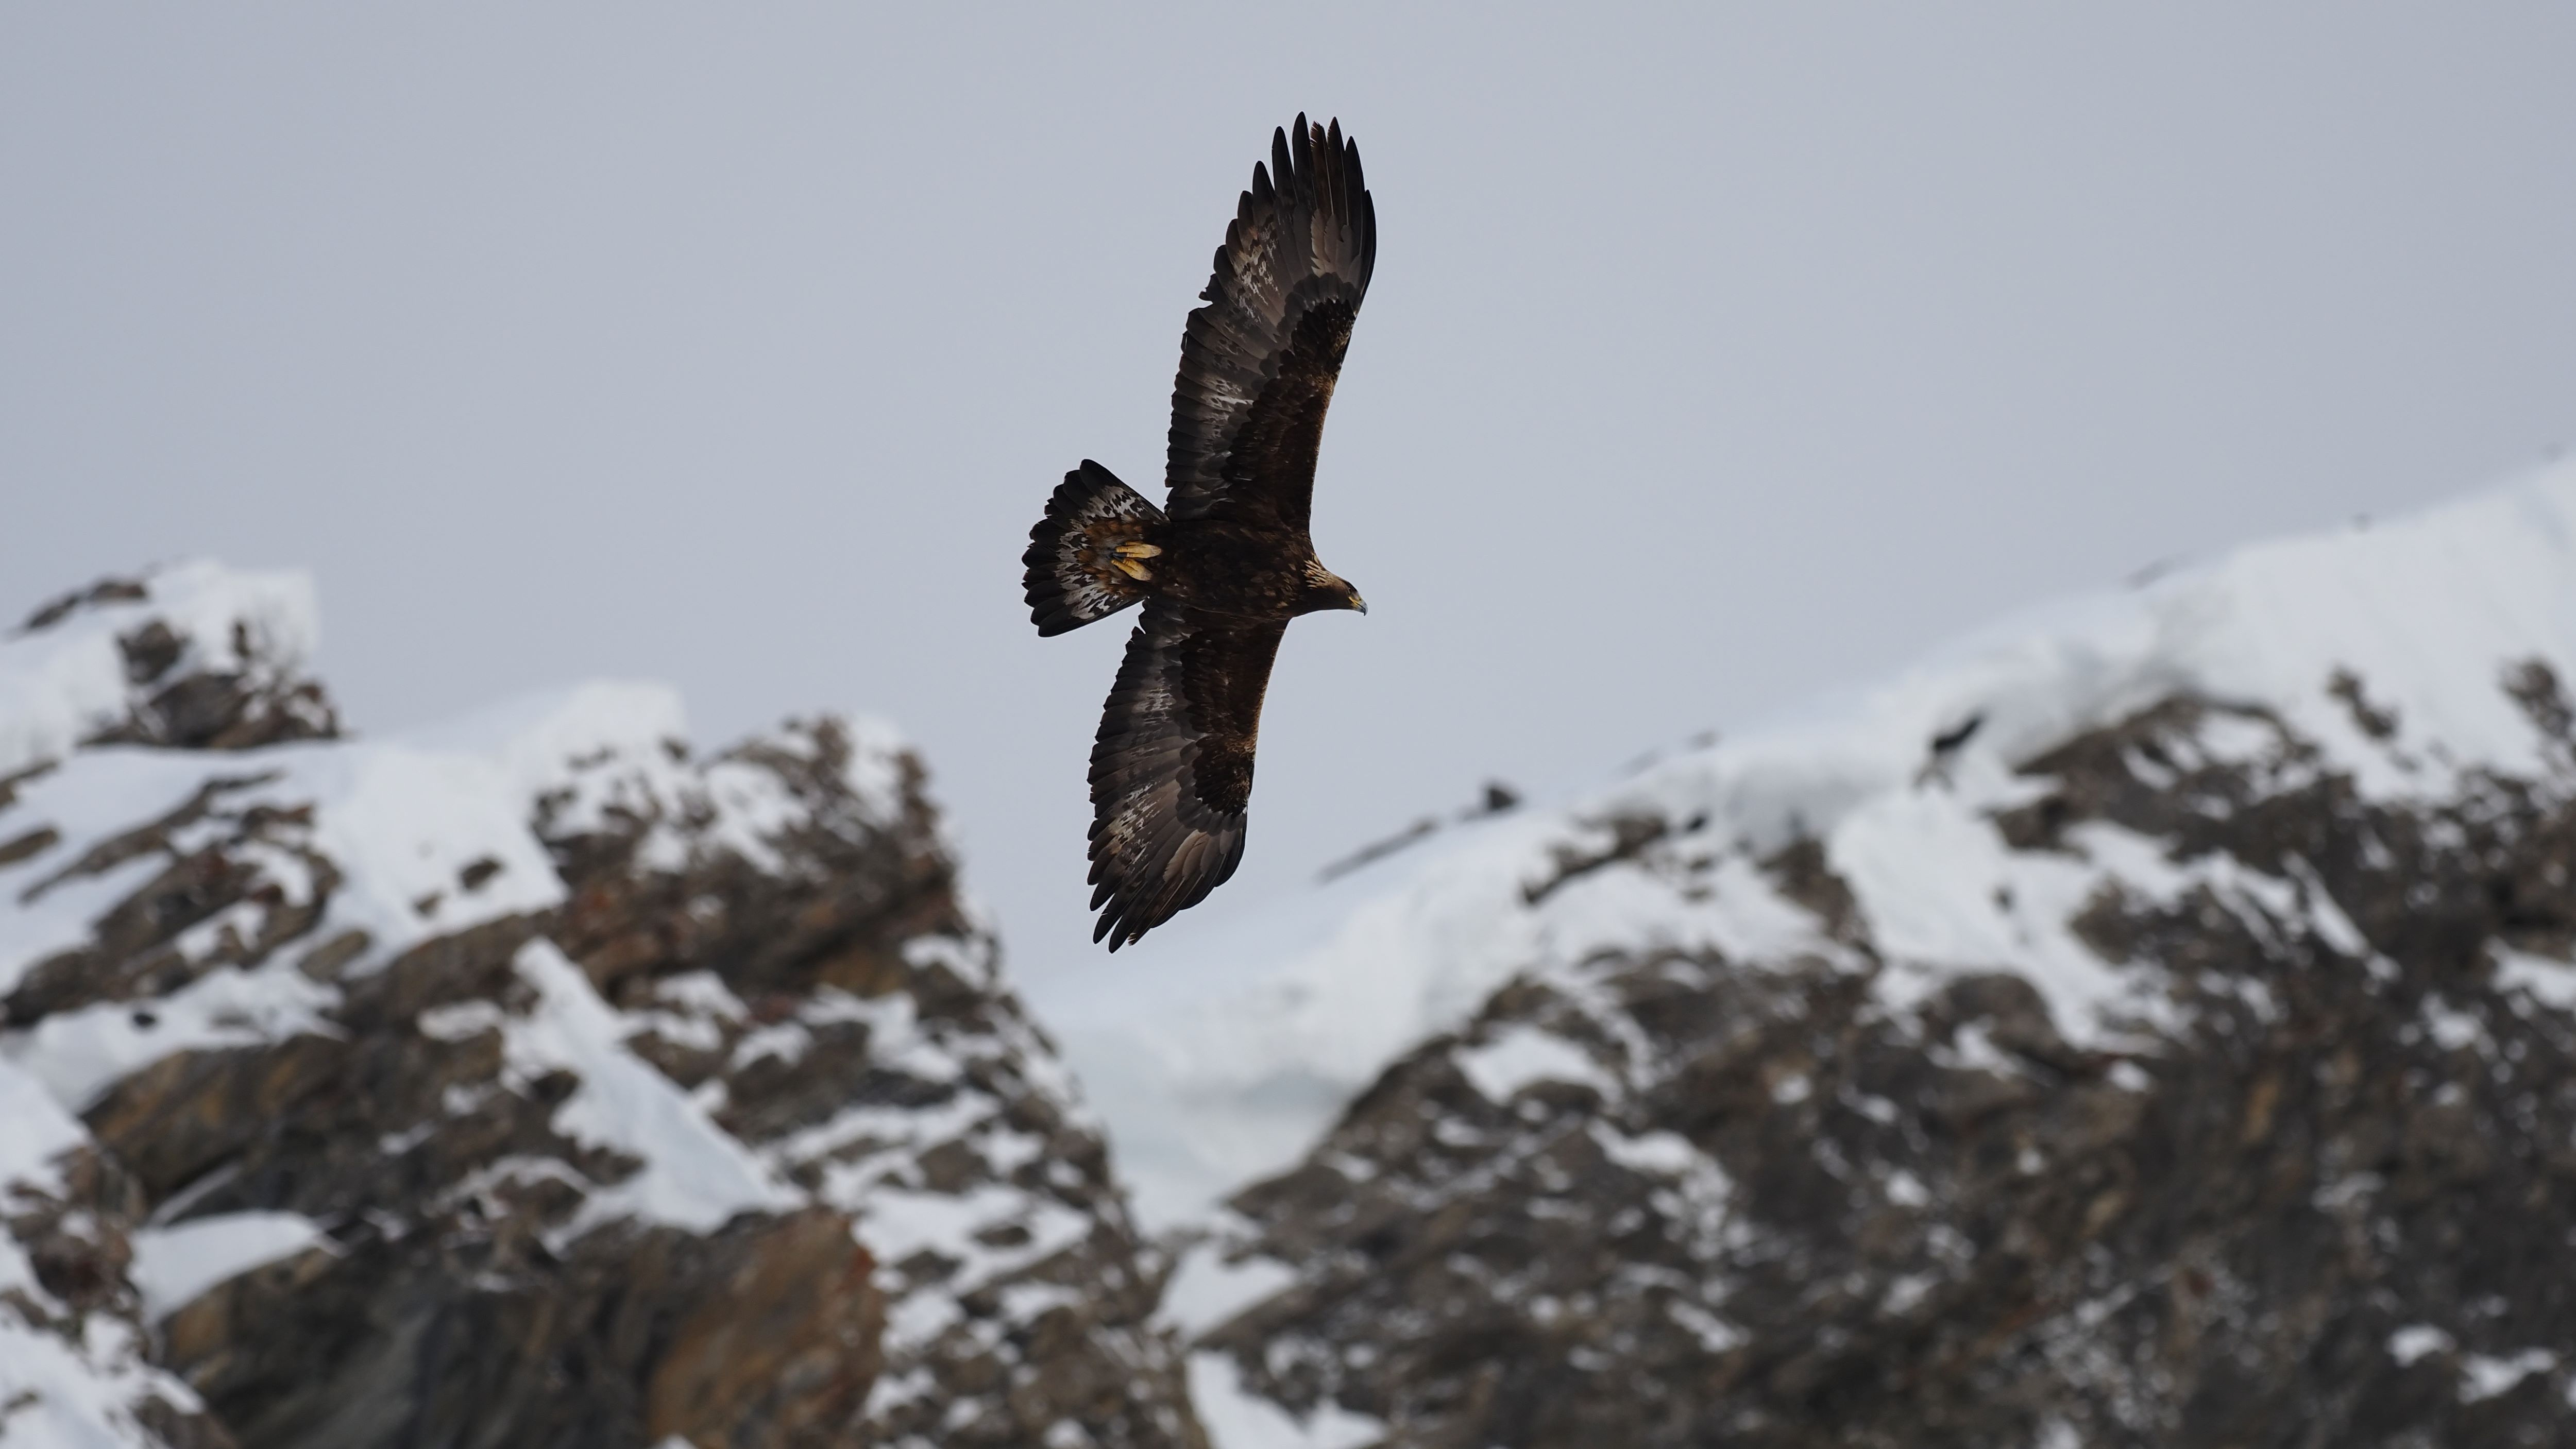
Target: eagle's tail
{"points": [[1088, 557]]}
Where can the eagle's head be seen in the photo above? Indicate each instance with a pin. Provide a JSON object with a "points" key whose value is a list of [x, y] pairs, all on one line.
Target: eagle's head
{"points": [[1328, 590]]}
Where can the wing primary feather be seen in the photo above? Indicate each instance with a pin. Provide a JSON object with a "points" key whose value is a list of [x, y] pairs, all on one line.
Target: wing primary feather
{"points": [[1258, 358], [1368, 233]]}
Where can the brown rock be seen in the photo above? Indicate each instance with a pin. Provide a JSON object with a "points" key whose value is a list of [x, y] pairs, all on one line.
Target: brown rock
{"points": [[782, 1353]]}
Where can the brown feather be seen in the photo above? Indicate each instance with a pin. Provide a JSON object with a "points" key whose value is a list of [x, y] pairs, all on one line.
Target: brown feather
{"points": [[1171, 769], [1259, 360]]}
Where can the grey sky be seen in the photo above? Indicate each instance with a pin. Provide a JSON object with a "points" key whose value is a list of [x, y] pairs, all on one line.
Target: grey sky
{"points": [[1716, 355]]}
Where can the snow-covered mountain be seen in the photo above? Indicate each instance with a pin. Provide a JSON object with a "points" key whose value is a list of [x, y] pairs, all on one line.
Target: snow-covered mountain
{"points": [[2144, 1021], [527, 1080], [2149, 1021], [1226, 1066]]}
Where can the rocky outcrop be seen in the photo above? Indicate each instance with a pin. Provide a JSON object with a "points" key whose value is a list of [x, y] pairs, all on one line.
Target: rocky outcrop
{"points": [[192, 658], [531, 1081], [2311, 1186]]}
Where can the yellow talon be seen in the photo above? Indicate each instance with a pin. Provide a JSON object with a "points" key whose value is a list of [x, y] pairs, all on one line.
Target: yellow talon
{"points": [[1132, 569], [1139, 550]]}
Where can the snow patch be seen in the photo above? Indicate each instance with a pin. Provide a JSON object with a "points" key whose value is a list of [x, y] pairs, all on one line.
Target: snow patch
{"points": [[1237, 1418], [1715, 1334], [2550, 982], [694, 1174], [1522, 1056], [2416, 1341], [79, 1054], [1657, 1154], [2483, 1377], [172, 1266], [39, 1131], [1206, 1290], [55, 1394]]}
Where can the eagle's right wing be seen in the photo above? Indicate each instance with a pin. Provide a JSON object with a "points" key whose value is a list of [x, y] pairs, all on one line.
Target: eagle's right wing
{"points": [[1172, 769], [1258, 362]]}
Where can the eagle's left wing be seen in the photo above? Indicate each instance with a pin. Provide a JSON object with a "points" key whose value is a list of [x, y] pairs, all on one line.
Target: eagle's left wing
{"points": [[1172, 768], [1258, 362]]}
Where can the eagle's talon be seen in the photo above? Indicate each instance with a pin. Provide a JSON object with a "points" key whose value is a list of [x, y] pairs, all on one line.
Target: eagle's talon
{"points": [[1132, 569], [1138, 549]]}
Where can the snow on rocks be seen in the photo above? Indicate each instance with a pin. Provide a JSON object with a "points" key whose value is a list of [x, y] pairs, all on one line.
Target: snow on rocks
{"points": [[173, 1266], [693, 1175], [1237, 1419], [1520, 1056], [2144, 1022], [191, 654], [529, 1039], [74, 1366], [2388, 653]]}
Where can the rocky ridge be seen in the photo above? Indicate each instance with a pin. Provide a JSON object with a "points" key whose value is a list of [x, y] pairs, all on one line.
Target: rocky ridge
{"points": [[2146, 1022], [531, 1080], [2151, 1022], [2316, 1191]]}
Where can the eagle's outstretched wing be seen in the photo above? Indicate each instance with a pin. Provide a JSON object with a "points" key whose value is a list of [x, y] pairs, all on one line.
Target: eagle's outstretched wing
{"points": [[1259, 360], [1172, 768]]}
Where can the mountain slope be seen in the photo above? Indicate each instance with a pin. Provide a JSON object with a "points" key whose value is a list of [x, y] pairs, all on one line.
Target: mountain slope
{"points": [[525, 1080], [2145, 1022]]}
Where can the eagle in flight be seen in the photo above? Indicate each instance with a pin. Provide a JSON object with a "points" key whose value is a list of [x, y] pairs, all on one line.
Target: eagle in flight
{"points": [[1226, 562]]}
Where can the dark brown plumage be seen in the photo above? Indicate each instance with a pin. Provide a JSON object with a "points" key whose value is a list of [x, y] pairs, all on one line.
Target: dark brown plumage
{"points": [[1226, 562]]}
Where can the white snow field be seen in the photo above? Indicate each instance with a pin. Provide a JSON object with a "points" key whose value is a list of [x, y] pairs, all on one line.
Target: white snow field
{"points": [[1218, 1070]]}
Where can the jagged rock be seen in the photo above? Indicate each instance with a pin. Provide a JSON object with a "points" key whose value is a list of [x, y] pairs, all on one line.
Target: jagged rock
{"points": [[74, 1348], [845, 1016], [533, 1083], [199, 670], [2318, 1195], [2151, 1022], [761, 1333]]}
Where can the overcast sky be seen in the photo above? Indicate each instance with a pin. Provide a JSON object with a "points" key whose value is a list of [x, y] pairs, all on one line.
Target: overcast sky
{"points": [[1716, 355]]}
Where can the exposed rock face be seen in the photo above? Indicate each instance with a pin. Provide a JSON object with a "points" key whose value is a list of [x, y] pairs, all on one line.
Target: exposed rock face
{"points": [[532, 1082], [2313, 1187]]}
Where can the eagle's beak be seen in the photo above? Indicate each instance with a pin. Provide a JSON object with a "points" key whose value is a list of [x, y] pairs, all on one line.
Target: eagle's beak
{"points": [[1357, 602]]}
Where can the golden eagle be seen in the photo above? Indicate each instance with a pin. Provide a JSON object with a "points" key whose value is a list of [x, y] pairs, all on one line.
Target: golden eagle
{"points": [[1224, 566]]}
